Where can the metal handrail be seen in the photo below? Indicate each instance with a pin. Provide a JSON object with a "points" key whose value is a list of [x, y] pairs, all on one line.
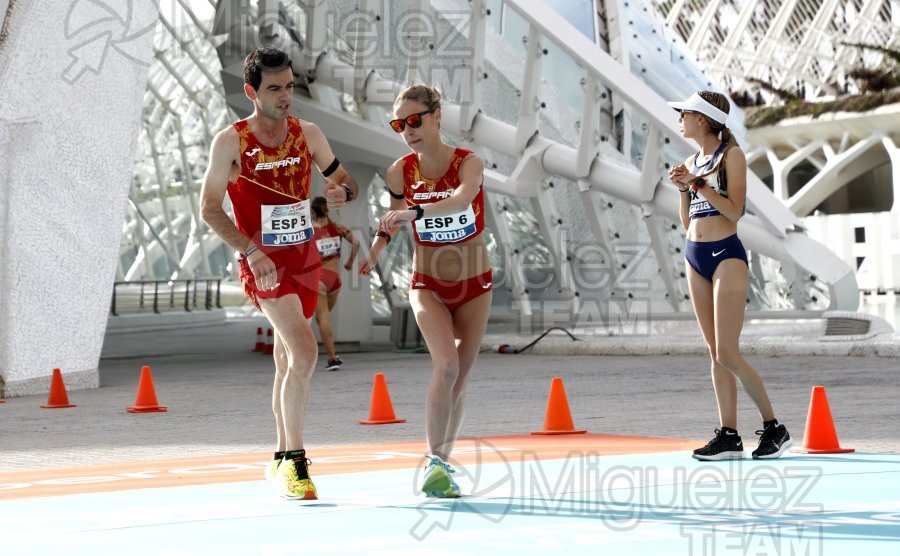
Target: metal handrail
{"points": [[212, 295]]}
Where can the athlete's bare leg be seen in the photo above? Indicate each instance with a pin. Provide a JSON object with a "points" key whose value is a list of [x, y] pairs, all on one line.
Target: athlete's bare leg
{"points": [[469, 324], [280, 355], [454, 348], [294, 333], [729, 295], [719, 307], [724, 383], [323, 320]]}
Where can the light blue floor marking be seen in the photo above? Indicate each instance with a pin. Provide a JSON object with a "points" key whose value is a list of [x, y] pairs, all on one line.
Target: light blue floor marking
{"points": [[647, 504]]}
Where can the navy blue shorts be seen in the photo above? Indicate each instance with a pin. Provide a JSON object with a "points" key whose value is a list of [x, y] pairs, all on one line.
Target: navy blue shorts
{"points": [[705, 256]]}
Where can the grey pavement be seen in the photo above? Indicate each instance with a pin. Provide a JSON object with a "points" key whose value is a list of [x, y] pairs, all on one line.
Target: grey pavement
{"points": [[218, 393]]}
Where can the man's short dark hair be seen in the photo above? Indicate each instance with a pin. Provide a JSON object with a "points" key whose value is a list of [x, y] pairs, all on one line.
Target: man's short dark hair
{"points": [[264, 59]]}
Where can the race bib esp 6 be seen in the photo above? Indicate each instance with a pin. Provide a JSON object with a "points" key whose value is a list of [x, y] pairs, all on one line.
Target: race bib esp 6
{"points": [[447, 228]]}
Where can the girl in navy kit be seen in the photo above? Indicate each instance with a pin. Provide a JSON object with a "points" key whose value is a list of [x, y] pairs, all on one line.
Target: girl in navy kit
{"points": [[713, 186]]}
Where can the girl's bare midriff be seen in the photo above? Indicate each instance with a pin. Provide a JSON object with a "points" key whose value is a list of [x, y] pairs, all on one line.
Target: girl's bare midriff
{"points": [[456, 261], [711, 228]]}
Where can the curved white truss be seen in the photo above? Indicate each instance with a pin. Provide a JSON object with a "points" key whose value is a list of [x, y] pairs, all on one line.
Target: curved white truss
{"points": [[350, 100]]}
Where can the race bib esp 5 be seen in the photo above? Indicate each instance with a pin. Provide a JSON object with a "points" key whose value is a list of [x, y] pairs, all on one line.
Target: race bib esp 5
{"points": [[284, 225]]}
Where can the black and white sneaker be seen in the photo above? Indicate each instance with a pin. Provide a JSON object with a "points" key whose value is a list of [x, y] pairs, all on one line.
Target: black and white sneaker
{"points": [[333, 364], [773, 441], [725, 445]]}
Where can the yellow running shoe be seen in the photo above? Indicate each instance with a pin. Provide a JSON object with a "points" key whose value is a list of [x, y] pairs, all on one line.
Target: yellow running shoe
{"points": [[290, 485], [272, 469], [438, 483]]}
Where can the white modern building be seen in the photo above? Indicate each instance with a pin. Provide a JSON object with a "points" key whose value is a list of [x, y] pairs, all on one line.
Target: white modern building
{"points": [[565, 101]]}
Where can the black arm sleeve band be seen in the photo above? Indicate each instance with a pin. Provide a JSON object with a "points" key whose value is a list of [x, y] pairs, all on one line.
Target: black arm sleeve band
{"points": [[331, 168], [395, 195]]}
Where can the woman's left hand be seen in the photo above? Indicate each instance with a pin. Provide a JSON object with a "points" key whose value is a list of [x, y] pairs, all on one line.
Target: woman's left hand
{"points": [[394, 218]]}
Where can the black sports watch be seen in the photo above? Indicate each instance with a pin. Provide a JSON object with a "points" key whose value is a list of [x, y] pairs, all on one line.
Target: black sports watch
{"points": [[420, 212], [699, 183]]}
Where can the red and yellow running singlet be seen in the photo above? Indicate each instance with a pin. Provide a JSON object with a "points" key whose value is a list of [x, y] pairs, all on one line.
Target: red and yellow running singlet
{"points": [[419, 190], [270, 198]]}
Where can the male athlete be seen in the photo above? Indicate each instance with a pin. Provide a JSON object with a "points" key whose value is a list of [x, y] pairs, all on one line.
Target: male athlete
{"points": [[264, 163]]}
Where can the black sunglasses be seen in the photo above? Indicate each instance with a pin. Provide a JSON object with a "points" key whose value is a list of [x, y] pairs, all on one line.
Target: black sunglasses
{"points": [[413, 121]]}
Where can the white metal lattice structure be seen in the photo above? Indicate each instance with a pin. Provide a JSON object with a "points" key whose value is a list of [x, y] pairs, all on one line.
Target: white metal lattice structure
{"points": [[574, 129], [183, 108], [793, 45]]}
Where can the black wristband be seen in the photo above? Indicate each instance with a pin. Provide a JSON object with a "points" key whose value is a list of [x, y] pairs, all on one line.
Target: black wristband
{"points": [[385, 235], [395, 195], [349, 191], [420, 212], [331, 168]]}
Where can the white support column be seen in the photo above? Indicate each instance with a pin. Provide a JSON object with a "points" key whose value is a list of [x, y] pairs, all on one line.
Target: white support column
{"points": [[551, 223], [589, 140], [530, 101], [315, 39], [352, 314], [651, 165], [894, 153], [470, 102], [782, 168], [362, 27], [779, 174], [267, 20]]}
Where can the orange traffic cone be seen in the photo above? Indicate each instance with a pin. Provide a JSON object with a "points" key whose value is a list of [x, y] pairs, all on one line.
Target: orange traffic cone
{"points": [[381, 411], [145, 402], [820, 436], [558, 419], [270, 343], [57, 398], [260, 345]]}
